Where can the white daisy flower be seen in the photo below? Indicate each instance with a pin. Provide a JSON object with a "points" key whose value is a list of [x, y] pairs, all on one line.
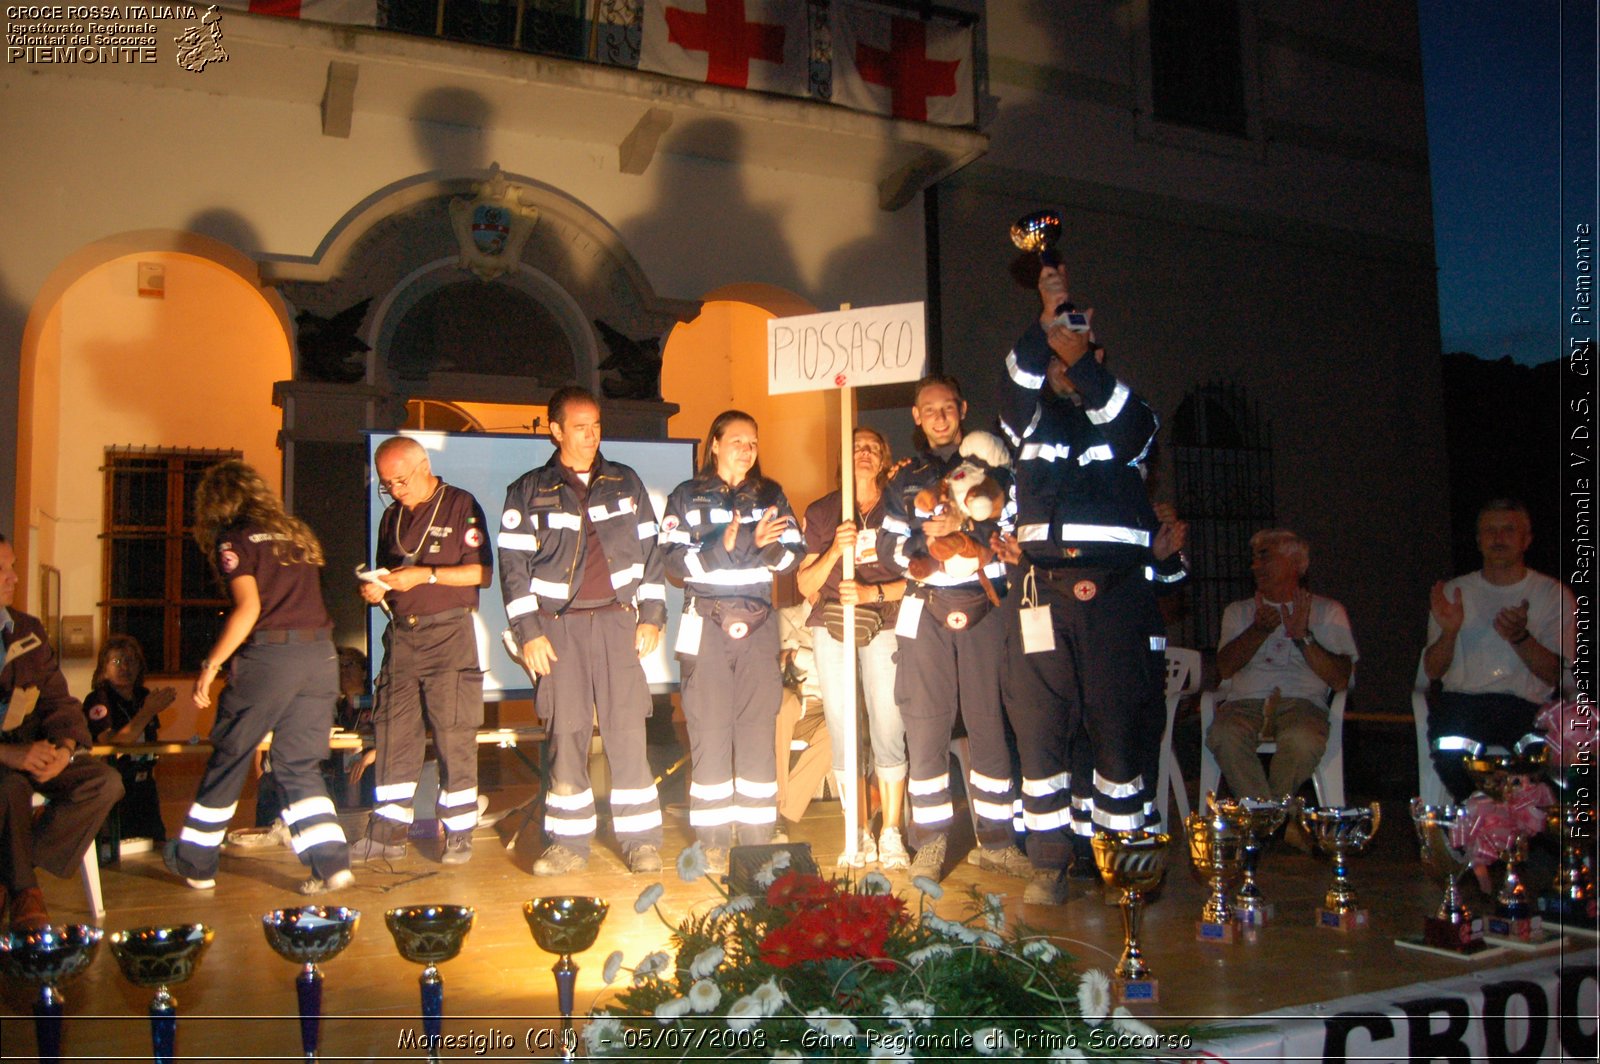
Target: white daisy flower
{"points": [[769, 996], [651, 965], [927, 953], [831, 1025], [894, 1049], [1094, 996], [704, 995], [1128, 1023], [918, 1011], [990, 1041], [613, 966], [780, 861], [672, 1009], [1067, 1054], [928, 887], [875, 883], [602, 1034], [785, 1054], [692, 863], [994, 913], [648, 897], [1038, 949], [764, 877], [742, 904], [705, 962], [744, 1013], [990, 939]]}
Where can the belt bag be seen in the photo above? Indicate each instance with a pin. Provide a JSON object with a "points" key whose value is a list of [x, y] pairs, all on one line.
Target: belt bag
{"points": [[868, 622], [734, 614], [958, 607]]}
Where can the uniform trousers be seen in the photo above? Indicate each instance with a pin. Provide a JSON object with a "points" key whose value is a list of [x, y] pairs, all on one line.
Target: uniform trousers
{"points": [[287, 689], [430, 672], [945, 673], [597, 678], [731, 693], [55, 838], [1089, 713]]}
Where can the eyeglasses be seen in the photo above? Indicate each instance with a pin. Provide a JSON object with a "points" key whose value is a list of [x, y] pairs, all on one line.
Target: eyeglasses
{"points": [[388, 486]]}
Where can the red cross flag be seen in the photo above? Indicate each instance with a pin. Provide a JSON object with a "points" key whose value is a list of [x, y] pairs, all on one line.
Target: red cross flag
{"points": [[899, 66], [744, 44], [349, 12]]}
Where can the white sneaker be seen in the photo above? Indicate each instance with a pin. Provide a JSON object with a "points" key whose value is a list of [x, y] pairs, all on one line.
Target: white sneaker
{"points": [[340, 880], [892, 853], [866, 853], [259, 838]]}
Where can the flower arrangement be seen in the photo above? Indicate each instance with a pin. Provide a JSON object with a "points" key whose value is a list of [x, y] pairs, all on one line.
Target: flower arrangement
{"points": [[814, 968]]}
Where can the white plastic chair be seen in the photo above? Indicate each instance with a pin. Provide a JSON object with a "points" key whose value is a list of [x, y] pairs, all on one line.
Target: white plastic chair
{"points": [[1183, 678], [1327, 778], [91, 869], [1429, 785]]}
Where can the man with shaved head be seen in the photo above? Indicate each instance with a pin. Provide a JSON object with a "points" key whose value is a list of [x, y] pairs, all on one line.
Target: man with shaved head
{"points": [[433, 543]]}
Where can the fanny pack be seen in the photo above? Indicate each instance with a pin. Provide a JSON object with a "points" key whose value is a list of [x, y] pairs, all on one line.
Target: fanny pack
{"points": [[868, 622], [734, 614], [958, 607]]}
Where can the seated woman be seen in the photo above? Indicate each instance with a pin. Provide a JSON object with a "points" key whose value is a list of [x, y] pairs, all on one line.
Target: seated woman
{"points": [[122, 710]]}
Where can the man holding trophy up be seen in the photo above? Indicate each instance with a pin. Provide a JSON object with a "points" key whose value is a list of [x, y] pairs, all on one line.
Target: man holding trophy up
{"points": [[1086, 647]]}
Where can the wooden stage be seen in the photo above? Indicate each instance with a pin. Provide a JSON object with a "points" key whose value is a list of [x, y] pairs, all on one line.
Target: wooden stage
{"points": [[241, 1004]]}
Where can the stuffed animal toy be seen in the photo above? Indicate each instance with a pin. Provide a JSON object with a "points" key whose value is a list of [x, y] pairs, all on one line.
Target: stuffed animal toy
{"points": [[973, 495]]}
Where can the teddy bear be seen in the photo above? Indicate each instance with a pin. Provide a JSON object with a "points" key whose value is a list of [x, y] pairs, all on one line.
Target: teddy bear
{"points": [[973, 495]]}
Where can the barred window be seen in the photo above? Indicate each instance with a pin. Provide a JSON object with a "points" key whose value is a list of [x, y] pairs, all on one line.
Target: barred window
{"points": [[157, 587]]}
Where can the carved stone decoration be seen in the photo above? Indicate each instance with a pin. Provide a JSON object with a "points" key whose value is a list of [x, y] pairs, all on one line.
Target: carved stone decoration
{"points": [[329, 348], [637, 364], [492, 227]]}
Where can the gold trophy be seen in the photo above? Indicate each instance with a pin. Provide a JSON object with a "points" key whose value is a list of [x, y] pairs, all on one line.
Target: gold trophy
{"points": [[564, 926], [1340, 833], [153, 957], [308, 936], [430, 935], [1259, 817], [1498, 775], [1133, 862], [1038, 232], [1216, 850], [46, 958], [1571, 898], [1454, 927]]}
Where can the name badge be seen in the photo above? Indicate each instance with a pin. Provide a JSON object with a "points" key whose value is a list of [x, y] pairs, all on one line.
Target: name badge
{"points": [[1038, 634], [910, 617], [688, 643], [866, 546]]}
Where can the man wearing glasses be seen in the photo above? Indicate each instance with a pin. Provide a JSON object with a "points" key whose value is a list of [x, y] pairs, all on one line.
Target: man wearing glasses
{"points": [[433, 556]]}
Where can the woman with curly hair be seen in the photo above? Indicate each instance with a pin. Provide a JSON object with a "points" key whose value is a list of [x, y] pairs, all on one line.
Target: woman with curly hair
{"points": [[283, 678], [121, 709]]}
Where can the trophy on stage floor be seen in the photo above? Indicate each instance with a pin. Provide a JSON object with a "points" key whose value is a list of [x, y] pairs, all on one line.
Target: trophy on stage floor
{"points": [[1259, 817], [154, 957], [429, 935], [308, 936], [1501, 776], [1571, 898], [1341, 832], [1133, 862], [1216, 850], [46, 958], [564, 926], [1454, 927]]}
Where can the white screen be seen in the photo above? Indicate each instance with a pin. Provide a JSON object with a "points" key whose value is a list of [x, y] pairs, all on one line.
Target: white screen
{"points": [[485, 465]]}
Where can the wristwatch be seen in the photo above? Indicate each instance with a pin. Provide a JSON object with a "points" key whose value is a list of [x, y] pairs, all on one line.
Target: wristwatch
{"points": [[1304, 641], [433, 575]]}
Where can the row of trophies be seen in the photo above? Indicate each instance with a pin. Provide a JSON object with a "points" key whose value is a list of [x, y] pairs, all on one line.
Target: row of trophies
{"points": [[159, 957], [1225, 845]]}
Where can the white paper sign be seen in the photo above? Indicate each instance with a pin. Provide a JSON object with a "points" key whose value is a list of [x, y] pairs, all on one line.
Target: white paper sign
{"points": [[846, 349]]}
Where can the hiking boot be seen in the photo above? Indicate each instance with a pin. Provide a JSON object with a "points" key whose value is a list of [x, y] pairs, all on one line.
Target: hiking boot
{"points": [[169, 857], [892, 853], [644, 859], [557, 860], [343, 879], [1047, 886], [1009, 860], [929, 861], [457, 848], [367, 848], [28, 912]]}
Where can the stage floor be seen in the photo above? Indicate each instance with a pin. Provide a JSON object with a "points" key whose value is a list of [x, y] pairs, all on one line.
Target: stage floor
{"points": [[241, 1004]]}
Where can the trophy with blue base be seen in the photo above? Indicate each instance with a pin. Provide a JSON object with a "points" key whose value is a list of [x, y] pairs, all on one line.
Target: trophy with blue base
{"points": [[1340, 832], [1133, 862]]}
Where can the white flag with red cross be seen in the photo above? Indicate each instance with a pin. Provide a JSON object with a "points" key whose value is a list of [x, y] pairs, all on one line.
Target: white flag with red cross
{"points": [[744, 44], [349, 12], [901, 66]]}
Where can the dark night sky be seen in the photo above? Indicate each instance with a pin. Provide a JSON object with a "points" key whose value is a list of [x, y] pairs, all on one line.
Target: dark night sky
{"points": [[1491, 70]]}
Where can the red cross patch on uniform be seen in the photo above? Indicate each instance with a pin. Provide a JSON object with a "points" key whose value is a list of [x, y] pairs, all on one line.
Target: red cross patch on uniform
{"points": [[473, 537], [669, 522], [738, 630], [97, 711], [1084, 590], [955, 620], [510, 519]]}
